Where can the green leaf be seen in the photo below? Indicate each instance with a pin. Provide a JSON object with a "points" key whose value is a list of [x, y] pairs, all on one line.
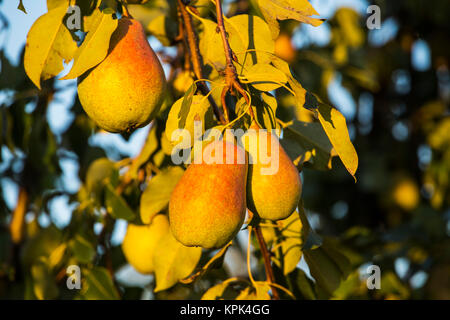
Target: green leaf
{"points": [[116, 205], [300, 10], [157, 194], [335, 126], [328, 266], [44, 286], [41, 245], [307, 142], [182, 116], [94, 48], [99, 173], [98, 285], [265, 77], [83, 250], [21, 7], [45, 51], [303, 284], [173, 262]]}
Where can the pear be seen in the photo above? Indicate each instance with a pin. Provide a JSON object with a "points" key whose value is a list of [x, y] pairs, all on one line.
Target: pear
{"points": [[141, 241], [284, 48], [274, 186], [207, 207], [125, 91]]}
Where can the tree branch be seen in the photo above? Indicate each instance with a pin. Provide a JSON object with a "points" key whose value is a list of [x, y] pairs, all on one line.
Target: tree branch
{"points": [[196, 58], [18, 217], [230, 70], [266, 257]]}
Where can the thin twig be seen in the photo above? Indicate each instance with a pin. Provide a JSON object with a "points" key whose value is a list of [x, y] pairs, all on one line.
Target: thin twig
{"points": [[196, 58], [266, 257]]}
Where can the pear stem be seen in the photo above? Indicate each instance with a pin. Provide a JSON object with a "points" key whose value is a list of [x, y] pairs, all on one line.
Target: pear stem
{"points": [[196, 58], [267, 265], [231, 75]]}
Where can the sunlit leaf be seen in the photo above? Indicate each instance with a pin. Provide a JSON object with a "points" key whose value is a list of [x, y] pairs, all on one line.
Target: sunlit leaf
{"points": [[300, 10], [265, 77], [214, 262], [157, 194], [95, 46], [193, 117], [173, 262], [45, 51], [335, 126], [245, 34]]}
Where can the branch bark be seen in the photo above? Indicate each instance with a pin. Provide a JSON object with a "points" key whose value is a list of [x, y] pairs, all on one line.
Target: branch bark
{"points": [[196, 58], [230, 70]]}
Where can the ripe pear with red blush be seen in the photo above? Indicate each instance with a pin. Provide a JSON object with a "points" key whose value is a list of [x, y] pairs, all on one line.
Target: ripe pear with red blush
{"points": [[274, 187], [125, 91], [207, 207]]}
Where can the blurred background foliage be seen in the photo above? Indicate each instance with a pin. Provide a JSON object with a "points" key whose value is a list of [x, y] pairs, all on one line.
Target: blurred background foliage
{"points": [[392, 85]]}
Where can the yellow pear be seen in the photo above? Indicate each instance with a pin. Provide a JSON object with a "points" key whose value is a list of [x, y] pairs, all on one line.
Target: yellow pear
{"points": [[274, 186], [141, 241], [125, 91], [207, 207]]}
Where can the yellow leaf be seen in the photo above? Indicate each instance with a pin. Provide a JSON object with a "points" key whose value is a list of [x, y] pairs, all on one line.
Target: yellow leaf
{"points": [[56, 256], [216, 292], [44, 50], [259, 292], [173, 261], [245, 34], [265, 77], [157, 194], [94, 48], [183, 116], [291, 245], [300, 10], [335, 126]]}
